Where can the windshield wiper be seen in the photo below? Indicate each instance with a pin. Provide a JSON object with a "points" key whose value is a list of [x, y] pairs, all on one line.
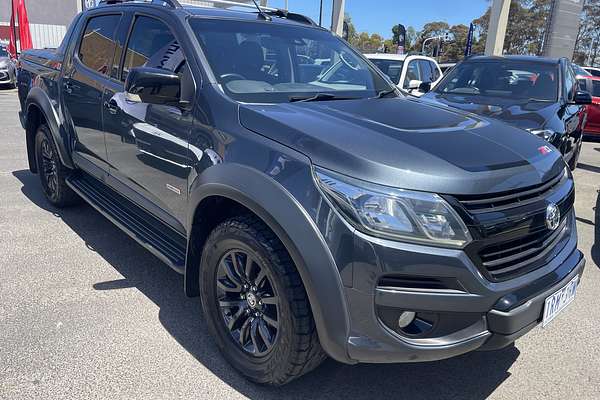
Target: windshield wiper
{"points": [[384, 93], [319, 97]]}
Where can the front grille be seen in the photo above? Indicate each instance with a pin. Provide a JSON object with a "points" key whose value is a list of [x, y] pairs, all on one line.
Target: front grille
{"points": [[509, 230], [502, 201], [514, 258]]}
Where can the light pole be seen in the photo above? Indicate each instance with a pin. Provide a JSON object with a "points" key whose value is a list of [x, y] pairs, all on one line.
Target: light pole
{"points": [[321, 14], [425, 42]]}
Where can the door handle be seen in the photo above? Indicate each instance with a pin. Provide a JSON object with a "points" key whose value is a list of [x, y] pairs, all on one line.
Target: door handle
{"points": [[111, 106]]}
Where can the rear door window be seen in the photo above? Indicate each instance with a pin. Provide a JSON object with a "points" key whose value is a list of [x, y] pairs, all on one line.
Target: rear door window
{"points": [[98, 43]]}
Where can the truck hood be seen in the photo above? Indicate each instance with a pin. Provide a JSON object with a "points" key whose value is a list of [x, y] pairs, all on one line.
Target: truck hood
{"points": [[523, 114], [408, 143]]}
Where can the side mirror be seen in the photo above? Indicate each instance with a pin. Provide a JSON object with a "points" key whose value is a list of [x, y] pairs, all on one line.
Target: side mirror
{"points": [[154, 85], [582, 97], [414, 84], [425, 87]]}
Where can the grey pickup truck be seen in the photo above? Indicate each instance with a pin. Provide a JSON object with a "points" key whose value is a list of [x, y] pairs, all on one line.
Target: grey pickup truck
{"points": [[314, 209]]}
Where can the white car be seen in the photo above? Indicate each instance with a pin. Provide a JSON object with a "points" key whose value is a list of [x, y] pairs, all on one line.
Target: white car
{"points": [[414, 74]]}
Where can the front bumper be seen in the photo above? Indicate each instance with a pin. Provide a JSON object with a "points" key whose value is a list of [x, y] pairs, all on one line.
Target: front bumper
{"points": [[5, 77], [471, 313]]}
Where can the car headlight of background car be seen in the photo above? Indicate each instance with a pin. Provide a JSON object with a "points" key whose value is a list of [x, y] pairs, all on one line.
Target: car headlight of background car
{"points": [[395, 213], [546, 134]]}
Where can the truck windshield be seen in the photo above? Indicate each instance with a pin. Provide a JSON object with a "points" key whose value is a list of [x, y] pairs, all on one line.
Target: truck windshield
{"points": [[507, 79], [263, 62]]}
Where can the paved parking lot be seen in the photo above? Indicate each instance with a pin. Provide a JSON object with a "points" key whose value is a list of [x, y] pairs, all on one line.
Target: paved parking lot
{"points": [[87, 313]]}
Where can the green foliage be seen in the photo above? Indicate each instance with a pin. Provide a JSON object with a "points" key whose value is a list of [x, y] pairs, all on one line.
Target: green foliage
{"points": [[352, 35], [363, 41], [587, 45], [430, 29], [525, 33]]}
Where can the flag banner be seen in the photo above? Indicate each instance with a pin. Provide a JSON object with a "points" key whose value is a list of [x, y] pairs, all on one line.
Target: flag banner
{"points": [[469, 45]]}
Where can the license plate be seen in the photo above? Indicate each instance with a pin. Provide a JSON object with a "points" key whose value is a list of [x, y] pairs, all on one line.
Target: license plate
{"points": [[559, 300]]}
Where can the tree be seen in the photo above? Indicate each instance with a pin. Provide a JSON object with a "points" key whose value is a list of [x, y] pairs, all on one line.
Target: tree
{"points": [[411, 38], [430, 29], [390, 46], [526, 29], [369, 43], [587, 44], [455, 50], [363, 41], [352, 35], [481, 26]]}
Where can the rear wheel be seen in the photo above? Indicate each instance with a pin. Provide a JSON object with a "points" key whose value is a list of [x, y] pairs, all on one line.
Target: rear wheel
{"points": [[51, 170], [255, 304]]}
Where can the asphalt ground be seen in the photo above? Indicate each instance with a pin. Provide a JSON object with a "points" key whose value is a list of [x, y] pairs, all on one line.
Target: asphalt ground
{"points": [[86, 313]]}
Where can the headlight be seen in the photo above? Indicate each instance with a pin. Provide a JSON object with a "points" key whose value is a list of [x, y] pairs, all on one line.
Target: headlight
{"points": [[395, 213], [546, 134]]}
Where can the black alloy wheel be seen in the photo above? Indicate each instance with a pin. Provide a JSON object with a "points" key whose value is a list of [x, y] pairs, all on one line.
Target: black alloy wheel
{"points": [[255, 304], [248, 301], [48, 168]]}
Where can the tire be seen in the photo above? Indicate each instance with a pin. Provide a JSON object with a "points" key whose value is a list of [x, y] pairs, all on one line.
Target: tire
{"points": [[262, 263], [51, 171]]}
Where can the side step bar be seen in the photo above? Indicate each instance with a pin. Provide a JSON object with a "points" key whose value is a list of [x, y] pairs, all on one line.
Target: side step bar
{"points": [[153, 234]]}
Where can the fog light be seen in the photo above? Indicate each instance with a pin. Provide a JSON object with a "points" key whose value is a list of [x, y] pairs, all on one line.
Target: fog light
{"points": [[405, 319]]}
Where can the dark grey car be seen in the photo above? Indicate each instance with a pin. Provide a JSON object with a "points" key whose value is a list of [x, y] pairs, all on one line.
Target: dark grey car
{"points": [[314, 209]]}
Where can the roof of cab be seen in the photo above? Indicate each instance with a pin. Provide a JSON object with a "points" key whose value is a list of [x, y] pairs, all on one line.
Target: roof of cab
{"points": [[214, 12], [223, 13]]}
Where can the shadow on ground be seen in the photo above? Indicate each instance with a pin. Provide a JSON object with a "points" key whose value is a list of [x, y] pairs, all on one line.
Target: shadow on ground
{"points": [[588, 167], [473, 376]]}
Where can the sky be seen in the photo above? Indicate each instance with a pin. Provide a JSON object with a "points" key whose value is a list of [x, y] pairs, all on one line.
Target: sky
{"points": [[378, 16]]}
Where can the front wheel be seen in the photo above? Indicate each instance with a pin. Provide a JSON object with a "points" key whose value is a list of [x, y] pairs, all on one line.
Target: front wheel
{"points": [[255, 304]]}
